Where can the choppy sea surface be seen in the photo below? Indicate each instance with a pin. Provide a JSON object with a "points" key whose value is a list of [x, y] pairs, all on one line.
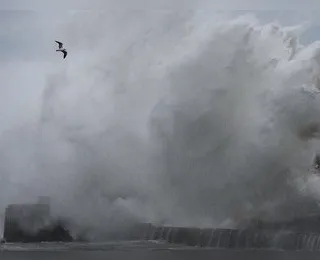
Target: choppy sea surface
{"points": [[135, 250], [95, 246]]}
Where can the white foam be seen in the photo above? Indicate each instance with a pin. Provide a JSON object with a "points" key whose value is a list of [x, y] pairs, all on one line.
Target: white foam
{"points": [[168, 118]]}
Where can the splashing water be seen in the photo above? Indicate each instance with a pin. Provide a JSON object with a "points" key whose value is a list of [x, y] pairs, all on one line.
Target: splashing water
{"points": [[172, 119]]}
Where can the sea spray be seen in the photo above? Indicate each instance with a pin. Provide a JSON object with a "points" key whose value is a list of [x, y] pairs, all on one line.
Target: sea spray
{"points": [[167, 118]]}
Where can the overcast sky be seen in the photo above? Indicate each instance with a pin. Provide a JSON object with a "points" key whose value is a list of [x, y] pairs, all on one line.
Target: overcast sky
{"points": [[297, 5]]}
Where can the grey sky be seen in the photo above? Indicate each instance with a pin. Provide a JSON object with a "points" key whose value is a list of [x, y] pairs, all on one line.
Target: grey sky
{"points": [[164, 4]]}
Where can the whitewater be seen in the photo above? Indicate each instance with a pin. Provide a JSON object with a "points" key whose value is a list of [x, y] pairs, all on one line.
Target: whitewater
{"points": [[170, 118]]}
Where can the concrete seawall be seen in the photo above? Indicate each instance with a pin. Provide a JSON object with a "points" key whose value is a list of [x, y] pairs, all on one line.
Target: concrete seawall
{"points": [[27, 223], [252, 238], [226, 238]]}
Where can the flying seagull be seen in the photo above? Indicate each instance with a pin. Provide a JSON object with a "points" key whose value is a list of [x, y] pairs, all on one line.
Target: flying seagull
{"points": [[60, 44], [63, 50]]}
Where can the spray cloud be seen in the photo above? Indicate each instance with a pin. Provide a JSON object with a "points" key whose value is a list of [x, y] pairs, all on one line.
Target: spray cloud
{"points": [[165, 117]]}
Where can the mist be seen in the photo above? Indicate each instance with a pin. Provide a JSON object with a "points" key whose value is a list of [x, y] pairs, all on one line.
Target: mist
{"points": [[170, 118]]}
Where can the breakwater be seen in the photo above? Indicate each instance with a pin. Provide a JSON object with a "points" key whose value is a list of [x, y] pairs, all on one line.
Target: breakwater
{"points": [[251, 238]]}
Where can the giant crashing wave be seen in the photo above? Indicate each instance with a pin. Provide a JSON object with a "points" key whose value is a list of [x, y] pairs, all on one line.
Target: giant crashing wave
{"points": [[181, 121]]}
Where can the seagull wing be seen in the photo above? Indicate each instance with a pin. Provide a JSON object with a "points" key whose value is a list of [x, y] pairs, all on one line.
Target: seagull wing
{"points": [[60, 44], [65, 54]]}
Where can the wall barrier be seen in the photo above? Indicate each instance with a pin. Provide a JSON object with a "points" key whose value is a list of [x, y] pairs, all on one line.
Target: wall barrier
{"points": [[227, 238]]}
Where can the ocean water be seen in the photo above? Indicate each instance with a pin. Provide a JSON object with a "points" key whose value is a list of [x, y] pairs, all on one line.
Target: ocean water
{"points": [[140, 250]]}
